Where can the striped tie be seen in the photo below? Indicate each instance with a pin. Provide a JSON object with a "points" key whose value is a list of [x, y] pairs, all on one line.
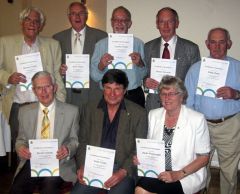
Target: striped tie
{"points": [[45, 131]]}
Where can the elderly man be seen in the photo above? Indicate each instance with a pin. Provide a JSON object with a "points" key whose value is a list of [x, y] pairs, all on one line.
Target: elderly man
{"points": [[46, 119], [184, 51], [112, 123], [78, 15], [32, 21], [222, 112], [121, 22]]}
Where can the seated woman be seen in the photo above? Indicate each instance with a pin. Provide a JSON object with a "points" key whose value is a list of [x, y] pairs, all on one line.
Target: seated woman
{"points": [[187, 144]]}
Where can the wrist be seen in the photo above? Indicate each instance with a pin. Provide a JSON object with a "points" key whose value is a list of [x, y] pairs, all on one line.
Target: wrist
{"points": [[184, 173], [237, 95]]}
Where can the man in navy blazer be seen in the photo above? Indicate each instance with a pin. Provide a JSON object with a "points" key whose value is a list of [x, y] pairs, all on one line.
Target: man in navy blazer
{"points": [[184, 51]]}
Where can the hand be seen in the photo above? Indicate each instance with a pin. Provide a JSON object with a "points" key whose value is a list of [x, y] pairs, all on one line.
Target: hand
{"points": [[62, 152], [24, 153], [105, 61], [16, 78], [136, 59], [170, 176], [117, 177], [151, 83], [63, 69], [135, 160], [226, 93], [80, 175]]}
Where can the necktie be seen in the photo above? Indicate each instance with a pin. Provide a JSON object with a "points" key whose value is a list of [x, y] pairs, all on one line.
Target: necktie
{"points": [[166, 53], [78, 43], [45, 130]]}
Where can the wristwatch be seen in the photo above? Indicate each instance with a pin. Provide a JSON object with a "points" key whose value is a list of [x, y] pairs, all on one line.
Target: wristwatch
{"points": [[237, 95]]}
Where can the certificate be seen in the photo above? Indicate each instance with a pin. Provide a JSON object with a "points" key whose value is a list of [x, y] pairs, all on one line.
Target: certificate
{"points": [[151, 156], [43, 157], [98, 165], [28, 65], [161, 67], [212, 76], [120, 46], [77, 75]]}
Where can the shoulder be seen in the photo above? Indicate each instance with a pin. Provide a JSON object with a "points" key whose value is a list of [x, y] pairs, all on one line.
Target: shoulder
{"points": [[232, 60], [11, 38], [67, 107], [190, 113], [96, 31], [28, 108], [47, 40], [153, 42], [62, 34], [134, 108], [137, 40], [186, 43], [154, 113]]}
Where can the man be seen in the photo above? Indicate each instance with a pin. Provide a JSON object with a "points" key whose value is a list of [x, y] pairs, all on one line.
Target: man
{"points": [[121, 22], [112, 123], [63, 122], [78, 15], [184, 51], [32, 21], [221, 112]]}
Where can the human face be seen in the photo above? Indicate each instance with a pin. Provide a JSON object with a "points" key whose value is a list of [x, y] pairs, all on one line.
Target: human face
{"points": [[217, 44], [120, 22], [171, 99], [166, 24], [31, 26], [113, 93], [44, 89], [77, 17]]}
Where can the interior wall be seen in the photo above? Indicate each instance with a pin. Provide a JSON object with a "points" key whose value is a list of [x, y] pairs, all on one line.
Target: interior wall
{"points": [[196, 19]]}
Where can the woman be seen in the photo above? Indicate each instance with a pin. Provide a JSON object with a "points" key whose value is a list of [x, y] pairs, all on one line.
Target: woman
{"points": [[186, 139]]}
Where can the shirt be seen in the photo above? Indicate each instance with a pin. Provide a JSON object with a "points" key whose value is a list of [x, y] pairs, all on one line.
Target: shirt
{"points": [[82, 39], [171, 47]]}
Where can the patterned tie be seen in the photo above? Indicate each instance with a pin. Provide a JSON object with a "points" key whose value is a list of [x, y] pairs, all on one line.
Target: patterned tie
{"points": [[78, 43], [45, 131], [166, 53]]}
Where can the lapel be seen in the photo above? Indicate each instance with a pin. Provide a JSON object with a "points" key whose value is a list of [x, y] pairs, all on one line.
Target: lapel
{"points": [[156, 48], [43, 53], [59, 118], [98, 124], [68, 41], [18, 49], [178, 49], [33, 123], [87, 40]]}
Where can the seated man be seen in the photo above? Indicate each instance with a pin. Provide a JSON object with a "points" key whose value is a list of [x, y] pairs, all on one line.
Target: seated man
{"points": [[62, 123], [112, 123]]}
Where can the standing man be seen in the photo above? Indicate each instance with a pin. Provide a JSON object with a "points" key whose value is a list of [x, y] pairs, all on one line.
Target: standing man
{"points": [[32, 21], [78, 15], [62, 124], [121, 22], [184, 51], [222, 112], [112, 123]]}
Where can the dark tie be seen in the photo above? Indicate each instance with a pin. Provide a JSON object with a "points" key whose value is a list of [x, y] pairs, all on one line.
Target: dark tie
{"points": [[166, 53]]}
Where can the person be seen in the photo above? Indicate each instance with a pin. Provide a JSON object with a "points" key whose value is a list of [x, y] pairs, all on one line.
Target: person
{"points": [[114, 122], [222, 112], [32, 22], [64, 126], [78, 15], [121, 22], [186, 138], [183, 51]]}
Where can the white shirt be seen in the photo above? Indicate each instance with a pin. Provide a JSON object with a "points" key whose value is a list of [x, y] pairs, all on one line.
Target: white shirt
{"points": [[82, 39], [171, 47]]}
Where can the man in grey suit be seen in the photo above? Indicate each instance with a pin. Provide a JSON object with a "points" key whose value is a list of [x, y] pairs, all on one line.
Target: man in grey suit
{"points": [[63, 124], [184, 51], [78, 15], [112, 123]]}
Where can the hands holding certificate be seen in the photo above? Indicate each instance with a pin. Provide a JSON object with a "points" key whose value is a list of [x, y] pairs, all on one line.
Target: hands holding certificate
{"points": [[151, 83], [16, 78], [226, 93]]}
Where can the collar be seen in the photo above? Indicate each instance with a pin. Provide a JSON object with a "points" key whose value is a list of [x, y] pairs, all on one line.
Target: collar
{"points": [[50, 107], [82, 32], [171, 42]]}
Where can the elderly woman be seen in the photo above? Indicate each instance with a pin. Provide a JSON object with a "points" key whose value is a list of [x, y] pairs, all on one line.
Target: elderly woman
{"points": [[186, 138]]}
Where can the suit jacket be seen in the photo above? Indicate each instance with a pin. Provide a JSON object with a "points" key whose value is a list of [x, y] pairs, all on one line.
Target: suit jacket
{"points": [[92, 35], [66, 127], [10, 46], [132, 124], [186, 54]]}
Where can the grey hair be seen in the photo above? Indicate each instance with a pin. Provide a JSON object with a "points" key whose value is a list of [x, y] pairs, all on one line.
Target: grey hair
{"points": [[43, 74], [174, 12], [172, 81], [25, 13], [128, 13], [77, 3]]}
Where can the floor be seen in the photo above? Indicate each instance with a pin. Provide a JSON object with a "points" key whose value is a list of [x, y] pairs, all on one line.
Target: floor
{"points": [[6, 175]]}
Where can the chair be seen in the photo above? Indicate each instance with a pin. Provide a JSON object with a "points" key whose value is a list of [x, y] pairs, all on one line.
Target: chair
{"points": [[65, 188]]}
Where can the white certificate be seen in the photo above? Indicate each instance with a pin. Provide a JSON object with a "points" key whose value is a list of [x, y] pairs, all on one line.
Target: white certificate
{"points": [[28, 65], [212, 76], [120, 46], [77, 75], [151, 156], [161, 67], [43, 157], [98, 165]]}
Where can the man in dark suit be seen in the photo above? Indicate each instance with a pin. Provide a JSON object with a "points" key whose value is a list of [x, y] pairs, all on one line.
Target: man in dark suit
{"points": [[184, 51], [112, 123], [78, 15], [63, 124]]}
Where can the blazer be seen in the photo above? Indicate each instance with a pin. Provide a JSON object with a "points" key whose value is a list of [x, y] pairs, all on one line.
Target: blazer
{"points": [[132, 124], [186, 54], [11, 46], [66, 127]]}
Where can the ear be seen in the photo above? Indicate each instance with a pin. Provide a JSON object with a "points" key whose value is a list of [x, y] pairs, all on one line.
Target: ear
{"points": [[177, 24], [229, 44], [129, 24], [55, 87], [207, 43]]}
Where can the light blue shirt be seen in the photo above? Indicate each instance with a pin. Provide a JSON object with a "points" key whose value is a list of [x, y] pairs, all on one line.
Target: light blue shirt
{"points": [[213, 108], [135, 75]]}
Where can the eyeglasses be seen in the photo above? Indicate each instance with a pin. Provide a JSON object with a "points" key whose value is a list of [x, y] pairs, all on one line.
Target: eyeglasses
{"points": [[29, 20], [74, 14], [170, 94], [121, 21], [41, 88], [169, 22]]}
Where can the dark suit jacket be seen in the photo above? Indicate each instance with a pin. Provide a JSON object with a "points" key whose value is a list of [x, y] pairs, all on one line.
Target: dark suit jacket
{"points": [[66, 127], [132, 124], [92, 36], [186, 53]]}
